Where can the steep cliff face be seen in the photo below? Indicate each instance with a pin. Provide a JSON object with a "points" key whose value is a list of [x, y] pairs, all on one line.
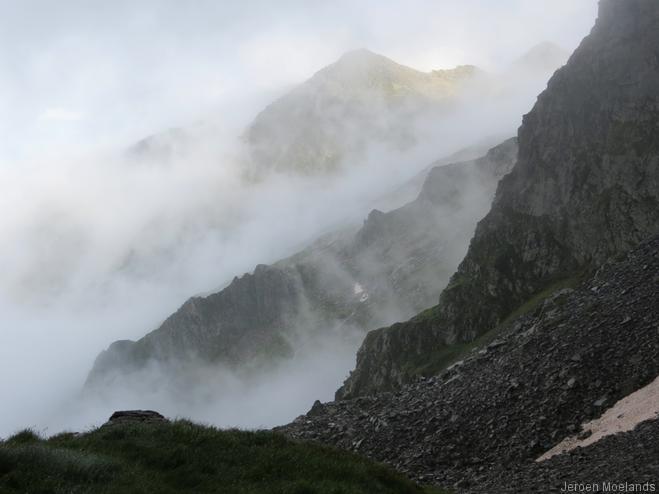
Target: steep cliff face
{"points": [[585, 187], [415, 246], [235, 326], [393, 266]]}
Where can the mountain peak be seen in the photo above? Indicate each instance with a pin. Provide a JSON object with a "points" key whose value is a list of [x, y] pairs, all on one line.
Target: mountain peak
{"points": [[356, 63], [355, 92], [544, 55], [361, 55], [546, 49]]}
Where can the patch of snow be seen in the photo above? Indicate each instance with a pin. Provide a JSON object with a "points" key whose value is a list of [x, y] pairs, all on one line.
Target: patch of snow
{"points": [[626, 414]]}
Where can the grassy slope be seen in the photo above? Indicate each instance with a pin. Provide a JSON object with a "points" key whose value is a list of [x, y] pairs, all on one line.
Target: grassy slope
{"points": [[448, 355], [184, 457]]}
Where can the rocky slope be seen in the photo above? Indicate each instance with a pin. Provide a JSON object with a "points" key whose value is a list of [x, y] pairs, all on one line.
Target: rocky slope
{"points": [[393, 266], [481, 423], [624, 459], [585, 187]]}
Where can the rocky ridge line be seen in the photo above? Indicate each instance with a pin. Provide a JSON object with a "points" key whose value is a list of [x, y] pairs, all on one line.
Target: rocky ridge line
{"points": [[393, 266], [492, 414]]}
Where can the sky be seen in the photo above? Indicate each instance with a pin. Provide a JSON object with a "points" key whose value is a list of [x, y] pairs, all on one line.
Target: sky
{"points": [[94, 249], [77, 75]]}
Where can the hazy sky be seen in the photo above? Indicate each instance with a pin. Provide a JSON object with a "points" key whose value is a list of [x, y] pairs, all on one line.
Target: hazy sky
{"points": [[81, 73]]}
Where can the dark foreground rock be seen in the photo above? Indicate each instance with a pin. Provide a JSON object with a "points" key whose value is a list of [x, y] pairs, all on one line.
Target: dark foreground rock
{"points": [[126, 416], [565, 362]]}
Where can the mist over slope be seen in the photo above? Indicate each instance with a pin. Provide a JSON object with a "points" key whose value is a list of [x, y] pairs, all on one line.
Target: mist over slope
{"points": [[128, 243], [365, 102], [313, 306], [98, 246]]}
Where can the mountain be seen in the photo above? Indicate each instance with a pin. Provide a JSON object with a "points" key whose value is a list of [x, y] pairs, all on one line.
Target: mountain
{"points": [[393, 266], [480, 425], [164, 146], [409, 190], [585, 188], [361, 100], [546, 336], [197, 140], [544, 57], [360, 106]]}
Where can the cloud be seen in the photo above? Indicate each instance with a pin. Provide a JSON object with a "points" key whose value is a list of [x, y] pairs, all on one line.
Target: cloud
{"points": [[61, 114], [95, 248]]}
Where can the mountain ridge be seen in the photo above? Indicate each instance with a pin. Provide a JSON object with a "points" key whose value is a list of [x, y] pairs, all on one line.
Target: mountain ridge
{"points": [[585, 187], [395, 264]]}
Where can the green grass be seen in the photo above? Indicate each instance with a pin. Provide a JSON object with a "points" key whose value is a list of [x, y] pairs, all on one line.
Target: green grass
{"points": [[187, 458], [535, 301], [442, 358]]}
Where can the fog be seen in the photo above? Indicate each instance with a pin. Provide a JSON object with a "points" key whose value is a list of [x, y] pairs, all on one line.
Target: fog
{"points": [[99, 244]]}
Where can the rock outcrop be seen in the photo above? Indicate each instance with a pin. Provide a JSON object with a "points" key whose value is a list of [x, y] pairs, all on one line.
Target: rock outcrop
{"points": [[133, 416], [393, 266], [585, 187], [485, 420], [231, 326]]}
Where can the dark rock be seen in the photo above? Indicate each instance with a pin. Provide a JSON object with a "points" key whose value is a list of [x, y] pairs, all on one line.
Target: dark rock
{"points": [[125, 416], [316, 408], [585, 434]]}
